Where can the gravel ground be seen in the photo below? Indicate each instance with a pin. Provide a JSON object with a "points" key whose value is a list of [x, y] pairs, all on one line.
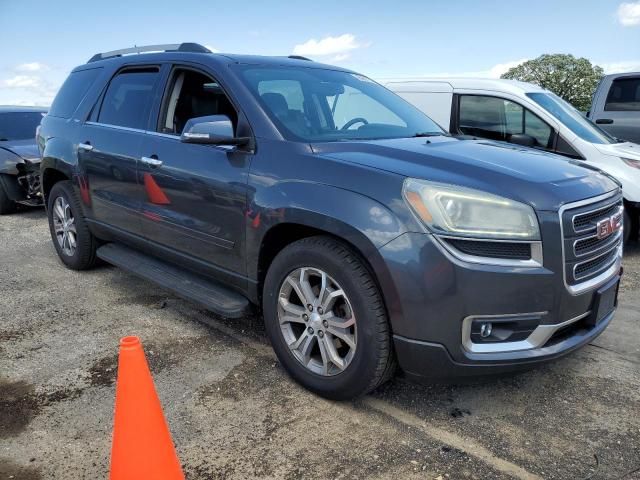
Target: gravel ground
{"points": [[234, 413]]}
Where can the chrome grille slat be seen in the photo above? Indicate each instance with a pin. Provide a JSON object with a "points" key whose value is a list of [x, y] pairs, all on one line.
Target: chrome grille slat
{"points": [[587, 218], [595, 245], [603, 260]]}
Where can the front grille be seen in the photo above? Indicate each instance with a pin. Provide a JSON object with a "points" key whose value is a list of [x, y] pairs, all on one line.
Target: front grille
{"points": [[586, 255], [507, 250]]}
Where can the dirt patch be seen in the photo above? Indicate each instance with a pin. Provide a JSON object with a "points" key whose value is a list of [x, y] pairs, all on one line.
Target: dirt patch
{"points": [[9, 469], [103, 372], [19, 404], [256, 374]]}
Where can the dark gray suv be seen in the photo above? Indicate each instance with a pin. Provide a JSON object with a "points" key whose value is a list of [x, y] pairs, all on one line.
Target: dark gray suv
{"points": [[367, 235]]}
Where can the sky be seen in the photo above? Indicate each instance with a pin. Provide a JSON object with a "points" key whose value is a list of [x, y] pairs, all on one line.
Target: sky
{"points": [[41, 41]]}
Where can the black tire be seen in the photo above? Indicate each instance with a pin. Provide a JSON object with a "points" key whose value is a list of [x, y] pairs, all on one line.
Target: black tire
{"points": [[7, 205], [373, 361], [84, 256]]}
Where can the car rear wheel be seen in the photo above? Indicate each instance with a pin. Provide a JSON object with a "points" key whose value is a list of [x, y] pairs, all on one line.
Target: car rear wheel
{"points": [[75, 244], [6, 204], [326, 320]]}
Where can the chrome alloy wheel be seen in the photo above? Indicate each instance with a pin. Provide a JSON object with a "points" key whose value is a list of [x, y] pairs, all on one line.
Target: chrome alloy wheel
{"points": [[317, 321], [64, 226]]}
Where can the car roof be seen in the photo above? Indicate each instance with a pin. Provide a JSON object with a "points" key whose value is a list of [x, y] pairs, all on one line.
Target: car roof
{"points": [[20, 109], [490, 84], [207, 57]]}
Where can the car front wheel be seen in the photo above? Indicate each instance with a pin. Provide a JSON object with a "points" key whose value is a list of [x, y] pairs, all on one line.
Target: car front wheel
{"points": [[326, 320]]}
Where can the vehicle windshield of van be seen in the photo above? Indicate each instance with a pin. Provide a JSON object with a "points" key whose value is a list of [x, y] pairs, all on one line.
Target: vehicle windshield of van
{"points": [[311, 104], [571, 118], [19, 125]]}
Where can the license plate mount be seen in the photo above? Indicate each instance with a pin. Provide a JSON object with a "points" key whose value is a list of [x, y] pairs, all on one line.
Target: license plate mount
{"points": [[605, 301]]}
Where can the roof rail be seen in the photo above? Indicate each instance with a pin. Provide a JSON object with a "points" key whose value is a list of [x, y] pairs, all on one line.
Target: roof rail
{"points": [[172, 47], [299, 57]]}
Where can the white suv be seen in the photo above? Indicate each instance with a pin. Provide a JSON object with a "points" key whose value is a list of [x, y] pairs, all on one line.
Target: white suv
{"points": [[528, 115]]}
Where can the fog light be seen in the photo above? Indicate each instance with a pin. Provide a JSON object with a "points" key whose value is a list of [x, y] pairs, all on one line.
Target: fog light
{"points": [[485, 329]]}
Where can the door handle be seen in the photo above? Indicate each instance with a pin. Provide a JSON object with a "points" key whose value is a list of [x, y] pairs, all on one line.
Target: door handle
{"points": [[152, 162], [605, 121], [85, 146]]}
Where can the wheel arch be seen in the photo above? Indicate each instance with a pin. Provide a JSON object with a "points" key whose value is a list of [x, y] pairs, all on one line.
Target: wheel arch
{"points": [[360, 222]]}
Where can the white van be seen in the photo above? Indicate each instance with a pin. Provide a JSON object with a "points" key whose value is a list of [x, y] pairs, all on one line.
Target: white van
{"points": [[528, 115]]}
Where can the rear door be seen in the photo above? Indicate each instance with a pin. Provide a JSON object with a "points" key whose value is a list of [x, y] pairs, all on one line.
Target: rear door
{"points": [[195, 195], [621, 113], [109, 148]]}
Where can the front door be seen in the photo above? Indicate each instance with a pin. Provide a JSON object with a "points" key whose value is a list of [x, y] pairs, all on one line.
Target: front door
{"points": [[195, 195], [109, 149]]}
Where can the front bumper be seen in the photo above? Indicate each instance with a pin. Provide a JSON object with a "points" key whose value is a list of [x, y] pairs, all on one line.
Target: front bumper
{"points": [[434, 296]]}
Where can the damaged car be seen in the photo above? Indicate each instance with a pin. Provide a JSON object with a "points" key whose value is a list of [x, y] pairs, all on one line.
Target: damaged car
{"points": [[19, 158]]}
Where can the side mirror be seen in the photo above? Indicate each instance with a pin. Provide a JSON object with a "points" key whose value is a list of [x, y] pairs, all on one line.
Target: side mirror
{"points": [[211, 130], [523, 139]]}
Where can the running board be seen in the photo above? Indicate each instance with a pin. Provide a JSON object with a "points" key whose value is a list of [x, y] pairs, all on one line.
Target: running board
{"points": [[208, 293]]}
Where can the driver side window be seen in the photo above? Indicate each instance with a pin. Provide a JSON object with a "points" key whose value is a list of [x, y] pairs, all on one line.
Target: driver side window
{"points": [[498, 119], [193, 94]]}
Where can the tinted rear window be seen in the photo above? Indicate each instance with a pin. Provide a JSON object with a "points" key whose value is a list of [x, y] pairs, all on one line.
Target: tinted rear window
{"points": [[72, 92], [19, 125], [128, 99], [624, 95]]}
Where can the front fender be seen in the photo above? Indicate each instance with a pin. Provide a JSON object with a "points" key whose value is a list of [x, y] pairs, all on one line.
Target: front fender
{"points": [[359, 220]]}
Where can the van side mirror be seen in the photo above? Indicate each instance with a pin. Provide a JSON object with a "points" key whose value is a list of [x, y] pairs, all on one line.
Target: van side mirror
{"points": [[211, 130], [523, 139]]}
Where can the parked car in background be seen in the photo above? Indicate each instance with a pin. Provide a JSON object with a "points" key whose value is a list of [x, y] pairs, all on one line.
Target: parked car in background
{"points": [[525, 114], [364, 231], [19, 157], [616, 106]]}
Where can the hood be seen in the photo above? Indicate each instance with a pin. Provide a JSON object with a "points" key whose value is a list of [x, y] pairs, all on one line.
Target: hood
{"points": [[543, 180], [625, 149], [25, 149]]}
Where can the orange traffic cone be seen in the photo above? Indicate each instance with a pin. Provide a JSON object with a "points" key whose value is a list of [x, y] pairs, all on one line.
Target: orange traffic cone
{"points": [[142, 447]]}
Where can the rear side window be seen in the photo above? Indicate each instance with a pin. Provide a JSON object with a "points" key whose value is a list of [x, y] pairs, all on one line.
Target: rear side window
{"points": [[72, 92], [128, 98], [624, 95]]}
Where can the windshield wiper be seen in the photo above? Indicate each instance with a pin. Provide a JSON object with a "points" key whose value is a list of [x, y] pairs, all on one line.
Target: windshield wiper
{"points": [[429, 134]]}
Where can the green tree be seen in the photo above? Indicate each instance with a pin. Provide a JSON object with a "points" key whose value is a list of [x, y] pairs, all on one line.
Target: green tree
{"points": [[571, 78]]}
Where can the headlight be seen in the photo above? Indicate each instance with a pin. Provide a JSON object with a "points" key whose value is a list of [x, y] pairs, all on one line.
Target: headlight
{"points": [[631, 162], [448, 209]]}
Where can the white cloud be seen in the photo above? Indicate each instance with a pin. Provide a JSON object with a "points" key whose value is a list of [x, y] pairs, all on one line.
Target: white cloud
{"points": [[32, 67], [621, 67], [338, 46], [23, 81], [28, 84], [628, 14]]}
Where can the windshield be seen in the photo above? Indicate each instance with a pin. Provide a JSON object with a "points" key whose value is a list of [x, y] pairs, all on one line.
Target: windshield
{"points": [[311, 104], [571, 118], [19, 125]]}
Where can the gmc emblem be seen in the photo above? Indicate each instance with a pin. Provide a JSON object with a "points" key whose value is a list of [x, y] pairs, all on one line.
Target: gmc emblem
{"points": [[608, 226]]}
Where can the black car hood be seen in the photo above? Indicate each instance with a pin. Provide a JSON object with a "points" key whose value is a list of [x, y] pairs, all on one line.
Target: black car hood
{"points": [[25, 149], [538, 178]]}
